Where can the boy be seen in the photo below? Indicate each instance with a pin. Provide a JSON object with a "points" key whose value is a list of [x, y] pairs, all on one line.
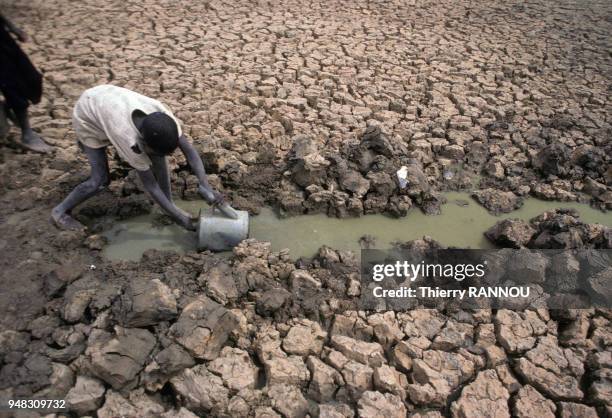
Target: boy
{"points": [[144, 132]]}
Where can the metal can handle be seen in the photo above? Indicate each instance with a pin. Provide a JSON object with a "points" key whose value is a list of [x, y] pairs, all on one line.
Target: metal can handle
{"points": [[227, 210]]}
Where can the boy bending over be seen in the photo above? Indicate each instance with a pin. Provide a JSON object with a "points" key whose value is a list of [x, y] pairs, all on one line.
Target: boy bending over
{"points": [[144, 132]]}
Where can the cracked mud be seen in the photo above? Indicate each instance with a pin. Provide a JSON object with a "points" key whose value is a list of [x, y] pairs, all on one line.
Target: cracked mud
{"points": [[310, 107]]}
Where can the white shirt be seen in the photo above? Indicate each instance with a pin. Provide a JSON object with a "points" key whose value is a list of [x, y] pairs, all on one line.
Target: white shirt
{"points": [[103, 116]]}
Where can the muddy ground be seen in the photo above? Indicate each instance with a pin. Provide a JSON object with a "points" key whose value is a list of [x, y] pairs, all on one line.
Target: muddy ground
{"points": [[310, 107]]}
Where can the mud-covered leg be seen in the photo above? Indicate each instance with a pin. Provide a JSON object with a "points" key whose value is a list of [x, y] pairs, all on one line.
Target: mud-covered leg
{"points": [[162, 174], [97, 181], [29, 139]]}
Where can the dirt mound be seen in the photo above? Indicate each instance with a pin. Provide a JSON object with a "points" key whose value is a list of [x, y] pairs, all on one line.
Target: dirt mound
{"points": [[128, 337]]}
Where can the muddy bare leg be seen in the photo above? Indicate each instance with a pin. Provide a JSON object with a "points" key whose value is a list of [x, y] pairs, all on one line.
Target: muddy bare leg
{"points": [[29, 138], [97, 181], [162, 174]]}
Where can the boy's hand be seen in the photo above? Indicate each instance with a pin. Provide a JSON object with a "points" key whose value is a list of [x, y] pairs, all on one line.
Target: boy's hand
{"points": [[187, 221], [211, 196], [219, 198]]}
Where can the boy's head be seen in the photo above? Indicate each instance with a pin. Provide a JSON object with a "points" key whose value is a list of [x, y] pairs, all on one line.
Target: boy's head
{"points": [[159, 133]]}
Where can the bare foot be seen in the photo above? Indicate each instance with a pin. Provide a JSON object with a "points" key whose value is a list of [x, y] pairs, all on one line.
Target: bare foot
{"points": [[32, 141], [66, 222]]}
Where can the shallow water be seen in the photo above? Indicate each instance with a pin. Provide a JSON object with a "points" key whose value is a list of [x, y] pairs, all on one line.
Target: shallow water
{"points": [[459, 226]]}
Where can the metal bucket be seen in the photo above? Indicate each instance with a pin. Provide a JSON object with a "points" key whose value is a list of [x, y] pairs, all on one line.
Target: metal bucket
{"points": [[218, 232]]}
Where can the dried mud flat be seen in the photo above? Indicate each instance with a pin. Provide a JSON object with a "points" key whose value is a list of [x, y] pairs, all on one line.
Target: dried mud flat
{"points": [[312, 107]]}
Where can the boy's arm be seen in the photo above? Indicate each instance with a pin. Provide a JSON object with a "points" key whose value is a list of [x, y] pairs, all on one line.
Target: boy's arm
{"points": [[152, 187], [195, 162]]}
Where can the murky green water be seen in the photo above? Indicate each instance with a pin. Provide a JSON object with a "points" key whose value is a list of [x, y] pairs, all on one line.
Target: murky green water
{"points": [[458, 225]]}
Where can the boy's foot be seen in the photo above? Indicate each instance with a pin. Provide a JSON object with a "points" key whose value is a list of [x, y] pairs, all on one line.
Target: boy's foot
{"points": [[66, 222], [32, 141]]}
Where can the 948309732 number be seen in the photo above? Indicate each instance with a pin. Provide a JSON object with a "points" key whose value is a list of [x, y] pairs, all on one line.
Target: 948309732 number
{"points": [[48, 404]]}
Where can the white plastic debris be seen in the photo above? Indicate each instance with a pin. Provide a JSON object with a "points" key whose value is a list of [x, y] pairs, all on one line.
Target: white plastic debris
{"points": [[402, 173]]}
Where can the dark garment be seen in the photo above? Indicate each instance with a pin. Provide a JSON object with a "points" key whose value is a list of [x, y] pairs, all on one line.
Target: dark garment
{"points": [[20, 81]]}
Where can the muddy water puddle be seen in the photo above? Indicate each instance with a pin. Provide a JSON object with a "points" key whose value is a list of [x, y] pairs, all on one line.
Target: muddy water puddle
{"points": [[461, 224]]}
